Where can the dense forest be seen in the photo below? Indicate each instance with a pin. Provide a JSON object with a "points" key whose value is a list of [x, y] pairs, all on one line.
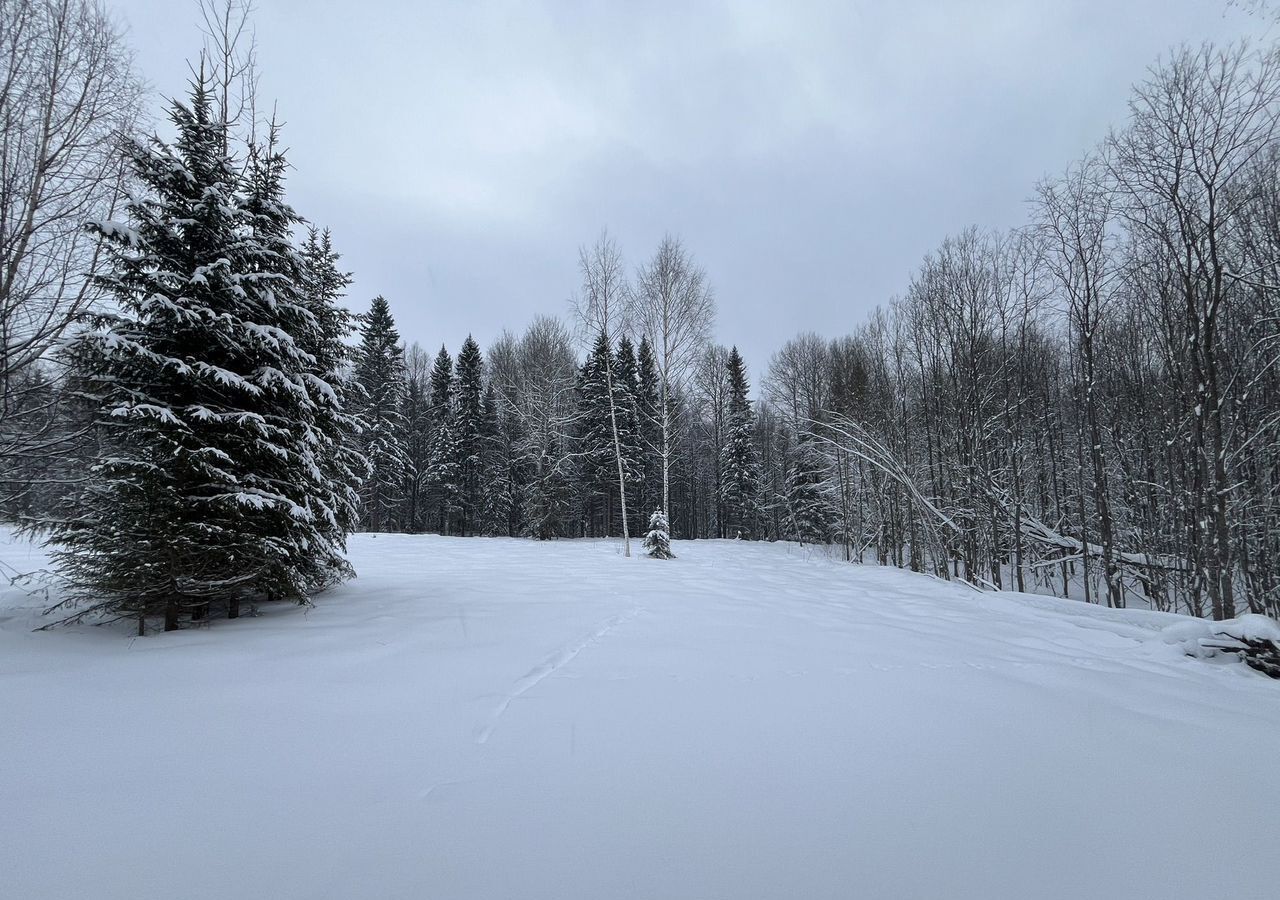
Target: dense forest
{"points": [[1087, 404]]}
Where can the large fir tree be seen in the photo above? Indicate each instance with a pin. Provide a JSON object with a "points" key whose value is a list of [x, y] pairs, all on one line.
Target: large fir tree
{"points": [[210, 484]]}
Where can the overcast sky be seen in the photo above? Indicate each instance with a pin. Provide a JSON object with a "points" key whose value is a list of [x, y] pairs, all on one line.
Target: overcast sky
{"points": [[807, 154]]}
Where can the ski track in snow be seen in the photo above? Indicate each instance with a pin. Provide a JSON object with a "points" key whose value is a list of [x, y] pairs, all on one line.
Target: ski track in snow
{"points": [[549, 667]]}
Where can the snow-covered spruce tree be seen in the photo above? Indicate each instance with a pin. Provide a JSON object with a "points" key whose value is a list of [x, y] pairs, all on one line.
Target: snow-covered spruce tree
{"points": [[205, 398], [657, 541], [442, 466], [740, 470], [380, 372], [467, 439]]}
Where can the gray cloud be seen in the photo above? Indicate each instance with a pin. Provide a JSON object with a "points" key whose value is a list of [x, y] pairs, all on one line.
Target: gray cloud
{"points": [[809, 154]]}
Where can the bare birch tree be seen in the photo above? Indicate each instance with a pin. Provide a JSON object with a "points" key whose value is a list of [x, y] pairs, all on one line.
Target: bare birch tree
{"points": [[603, 309], [675, 309]]}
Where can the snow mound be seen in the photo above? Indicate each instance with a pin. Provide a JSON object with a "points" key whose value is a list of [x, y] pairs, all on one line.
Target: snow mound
{"points": [[1252, 638]]}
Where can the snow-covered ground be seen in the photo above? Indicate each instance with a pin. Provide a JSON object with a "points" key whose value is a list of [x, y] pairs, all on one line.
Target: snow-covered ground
{"points": [[507, 719]]}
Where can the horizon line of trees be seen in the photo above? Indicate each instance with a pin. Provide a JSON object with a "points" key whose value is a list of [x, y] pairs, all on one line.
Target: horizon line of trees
{"points": [[1088, 405]]}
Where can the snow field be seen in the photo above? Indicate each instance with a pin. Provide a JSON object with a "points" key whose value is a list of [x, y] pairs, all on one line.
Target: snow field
{"points": [[510, 719]]}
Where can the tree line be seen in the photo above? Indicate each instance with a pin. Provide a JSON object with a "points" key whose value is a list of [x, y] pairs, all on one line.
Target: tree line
{"points": [[1085, 405], [536, 439]]}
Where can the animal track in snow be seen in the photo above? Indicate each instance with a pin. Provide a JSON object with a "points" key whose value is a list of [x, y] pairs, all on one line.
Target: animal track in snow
{"points": [[548, 667]]}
